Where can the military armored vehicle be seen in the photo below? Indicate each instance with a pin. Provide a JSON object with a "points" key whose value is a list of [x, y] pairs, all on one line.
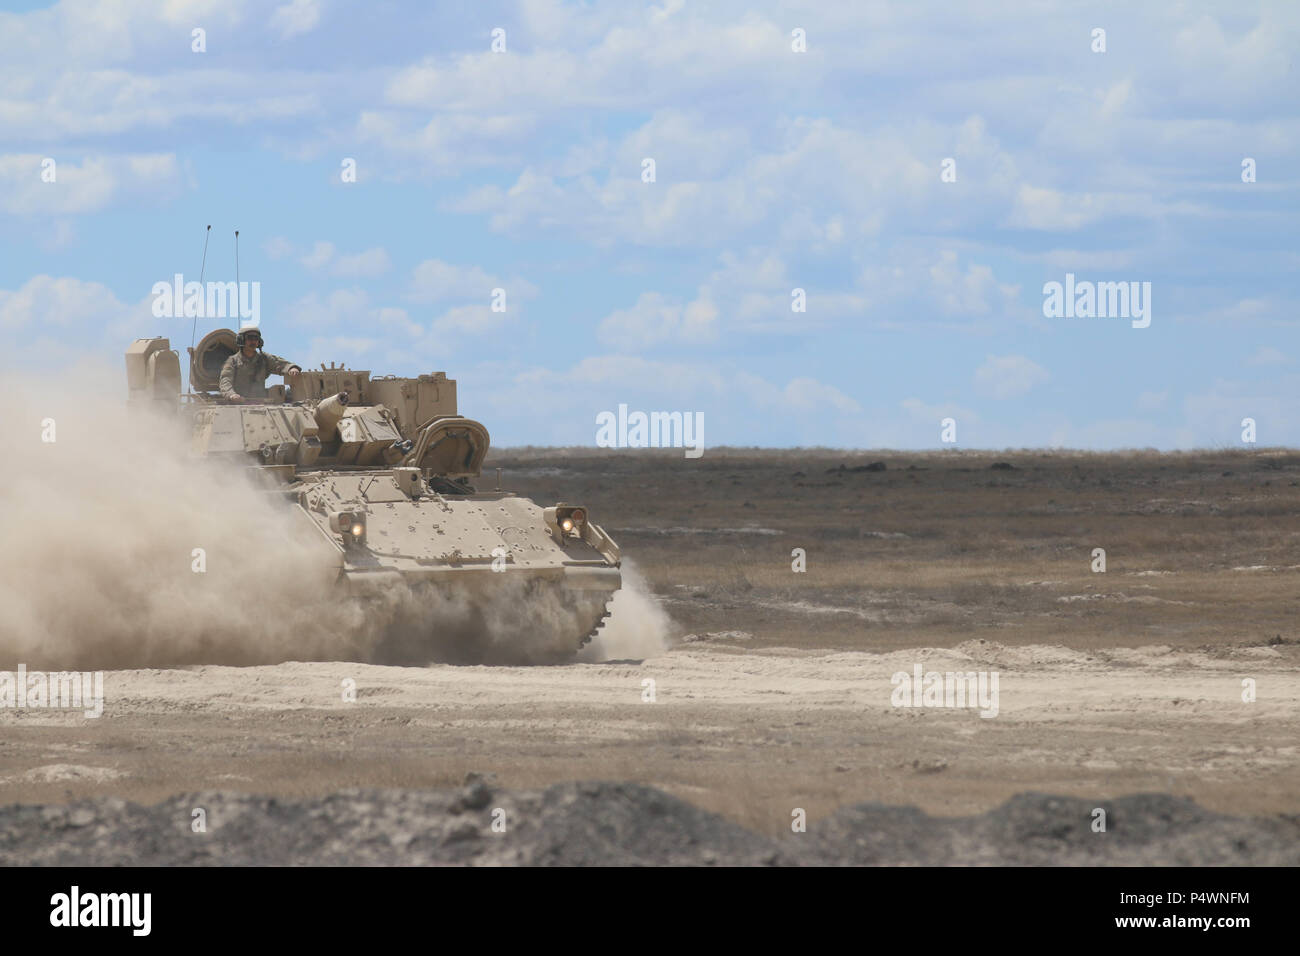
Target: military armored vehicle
{"points": [[383, 468]]}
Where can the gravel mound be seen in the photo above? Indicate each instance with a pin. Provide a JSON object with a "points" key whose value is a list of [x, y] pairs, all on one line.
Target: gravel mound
{"points": [[1033, 829], [579, 824]]}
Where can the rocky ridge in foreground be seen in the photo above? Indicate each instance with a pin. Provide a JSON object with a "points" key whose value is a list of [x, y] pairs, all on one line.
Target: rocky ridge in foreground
{"points": [[597, 823]]}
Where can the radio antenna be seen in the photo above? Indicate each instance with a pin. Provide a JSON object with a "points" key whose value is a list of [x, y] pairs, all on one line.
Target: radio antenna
{"points": [[195, 326], [236, 259]]}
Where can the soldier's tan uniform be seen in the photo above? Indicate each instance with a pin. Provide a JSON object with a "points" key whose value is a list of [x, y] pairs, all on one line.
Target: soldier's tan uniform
{"points": [[246, 377]]}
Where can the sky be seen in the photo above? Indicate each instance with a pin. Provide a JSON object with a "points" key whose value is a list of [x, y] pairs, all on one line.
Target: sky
{"points": [[919, 170]]}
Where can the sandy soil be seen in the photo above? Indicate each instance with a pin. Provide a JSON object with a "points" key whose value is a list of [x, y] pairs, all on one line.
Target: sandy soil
{"points": [[748, 734]]}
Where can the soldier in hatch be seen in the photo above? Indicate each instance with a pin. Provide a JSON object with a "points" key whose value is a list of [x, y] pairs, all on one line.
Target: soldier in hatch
{"points": [[243, 377]]}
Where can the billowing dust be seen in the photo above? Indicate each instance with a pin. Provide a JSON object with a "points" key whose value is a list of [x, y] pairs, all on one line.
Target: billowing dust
{"points": [[120, 551], [638, 627]]}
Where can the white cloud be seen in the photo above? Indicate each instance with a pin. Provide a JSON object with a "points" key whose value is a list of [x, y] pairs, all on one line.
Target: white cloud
{"points": [[974, 292], [86, 187], [1052, 210], [622, 378], [912, 284], [295, 17], [1038, 207], [434, 280], [344, 348], [323, 254], [811, 184], [654, 320], [1214, 416], [104, 67], [610, 57], [809, 395], [472, 319], [349, 314], [1268, 355], [97, 32], [1078, 260], [1255, 310], [372, 262], [350, 308], [75, 104], [749, 292], [754, 292], [66, 302], [61, 318], [1009, 376], [545, 404], [1226, 70], [277, 248], [446, 144], [933, 413]]}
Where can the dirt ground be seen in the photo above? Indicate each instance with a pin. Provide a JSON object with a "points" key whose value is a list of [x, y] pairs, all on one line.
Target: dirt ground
{"points": [[775, 691]]}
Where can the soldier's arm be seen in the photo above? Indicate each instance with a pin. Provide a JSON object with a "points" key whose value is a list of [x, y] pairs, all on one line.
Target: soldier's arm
{"points": [[279, 366], [227, 381]]}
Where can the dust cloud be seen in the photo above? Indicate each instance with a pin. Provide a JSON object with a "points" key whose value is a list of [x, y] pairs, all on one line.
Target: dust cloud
{"points": [[119, 551], [638, 627]]}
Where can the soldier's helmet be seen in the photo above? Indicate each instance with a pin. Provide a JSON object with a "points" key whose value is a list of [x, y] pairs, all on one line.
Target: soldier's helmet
{"points": [[251, 335]]}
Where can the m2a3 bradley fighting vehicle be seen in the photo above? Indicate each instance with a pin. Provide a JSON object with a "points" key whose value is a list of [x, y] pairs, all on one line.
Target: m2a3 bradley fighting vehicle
{"points": [[381, 468]]}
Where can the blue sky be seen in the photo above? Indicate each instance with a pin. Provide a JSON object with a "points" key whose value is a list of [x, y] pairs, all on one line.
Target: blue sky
{"points": [[774, 170]]}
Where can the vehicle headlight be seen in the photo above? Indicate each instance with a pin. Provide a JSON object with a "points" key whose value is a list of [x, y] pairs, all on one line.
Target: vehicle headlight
{"points": [[351, 525], [565, 521]]}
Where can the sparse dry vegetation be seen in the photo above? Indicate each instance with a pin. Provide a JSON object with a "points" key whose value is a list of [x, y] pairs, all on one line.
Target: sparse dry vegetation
{"points": [[939, 544]]}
